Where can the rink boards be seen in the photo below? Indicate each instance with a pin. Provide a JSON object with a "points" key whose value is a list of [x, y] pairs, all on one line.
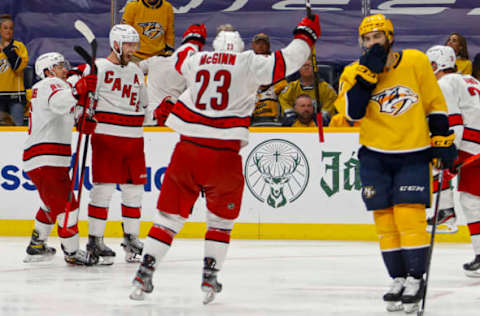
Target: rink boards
{"points": [[295, 187]]}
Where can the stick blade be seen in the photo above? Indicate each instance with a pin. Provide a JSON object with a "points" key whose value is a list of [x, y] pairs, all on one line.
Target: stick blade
{"points": [[85, 30]]}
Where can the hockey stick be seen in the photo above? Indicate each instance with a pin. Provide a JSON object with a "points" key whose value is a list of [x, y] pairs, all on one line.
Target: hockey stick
{"points": [[308, 6], [432, 240], [88, 34]]}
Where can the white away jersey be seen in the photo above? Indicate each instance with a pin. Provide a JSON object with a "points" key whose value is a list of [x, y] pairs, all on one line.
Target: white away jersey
{"points": [[122, 99], [50, 125], [462, 93], [220, 85], [163, 80]]}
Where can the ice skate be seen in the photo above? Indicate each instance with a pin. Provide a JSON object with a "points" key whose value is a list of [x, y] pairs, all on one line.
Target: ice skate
{"points": [[393, 297], [143, 279], [79, 257], [38, 250], [472, 269], [210, 284], [446, 222], [133, 248], [412, 294], [99, 252]]}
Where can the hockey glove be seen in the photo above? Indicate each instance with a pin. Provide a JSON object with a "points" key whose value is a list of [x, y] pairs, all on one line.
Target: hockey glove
{"points": [[308, 30], [195, 34], [444, 151], [163, 109], [87, 125], [12, 56], [375, 58]]}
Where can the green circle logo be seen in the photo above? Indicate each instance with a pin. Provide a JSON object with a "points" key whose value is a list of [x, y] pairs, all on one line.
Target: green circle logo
{"points": [[276, 172]]}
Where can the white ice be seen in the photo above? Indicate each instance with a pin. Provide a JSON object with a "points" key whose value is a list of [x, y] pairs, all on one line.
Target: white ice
{"points": [[259, 278]]}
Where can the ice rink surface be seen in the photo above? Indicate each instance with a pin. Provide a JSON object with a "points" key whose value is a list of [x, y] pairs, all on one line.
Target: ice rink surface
{"points": [[259, 278]]}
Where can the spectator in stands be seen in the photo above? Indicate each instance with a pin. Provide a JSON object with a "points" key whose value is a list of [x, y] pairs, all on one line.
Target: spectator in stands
{"points": [[304, 113], [267, 107], [305, 86], [154, 22], [459, 45], [476, 67], [339, 120], [13, 60], [6, 119]]}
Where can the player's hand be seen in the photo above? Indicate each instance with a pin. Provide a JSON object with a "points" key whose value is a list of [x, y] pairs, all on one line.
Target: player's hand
{"points": [[163, 110], [444, 151], [375, 58], [308, 30], [87, 125], [196, 34]]}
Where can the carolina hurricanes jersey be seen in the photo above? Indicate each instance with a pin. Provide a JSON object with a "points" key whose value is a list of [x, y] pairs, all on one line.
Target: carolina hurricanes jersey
{"points": [[396, 116], [50, 125], [462, 93], [220, 85], [122, 99], [163, 80]]}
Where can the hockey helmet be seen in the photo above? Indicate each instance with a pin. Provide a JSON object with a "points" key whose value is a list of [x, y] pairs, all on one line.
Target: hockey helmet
{"points": [[228, 41], [376, 23], [443, 56], [47, 61], [122, 33]]}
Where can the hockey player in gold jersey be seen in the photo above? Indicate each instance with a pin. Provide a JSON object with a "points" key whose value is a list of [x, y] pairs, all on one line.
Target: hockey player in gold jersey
{"points": [[404, 125], [154, 22]]}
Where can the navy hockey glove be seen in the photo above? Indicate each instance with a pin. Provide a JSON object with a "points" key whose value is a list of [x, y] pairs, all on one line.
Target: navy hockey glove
{"points": [[374, 58], [196, 34], [308, 30], [444, 151]]}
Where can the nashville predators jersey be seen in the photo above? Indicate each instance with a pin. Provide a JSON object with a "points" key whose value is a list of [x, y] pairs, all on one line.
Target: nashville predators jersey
{"points": [[395, 120], [154, 23]]}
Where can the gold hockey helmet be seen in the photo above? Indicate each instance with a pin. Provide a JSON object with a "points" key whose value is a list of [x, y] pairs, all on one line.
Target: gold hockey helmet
{"points": [[376, 23]]}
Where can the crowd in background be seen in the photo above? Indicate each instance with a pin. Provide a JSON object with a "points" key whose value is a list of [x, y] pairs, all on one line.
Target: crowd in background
{"points": [[289, 102]]}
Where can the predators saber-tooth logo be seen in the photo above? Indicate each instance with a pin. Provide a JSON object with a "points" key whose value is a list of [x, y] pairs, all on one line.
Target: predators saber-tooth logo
{"points": [[396, 100], [276, 172], [152, 30]]}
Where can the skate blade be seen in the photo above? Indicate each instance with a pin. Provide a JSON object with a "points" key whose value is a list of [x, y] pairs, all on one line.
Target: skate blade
{"points": [[443, 229], [38, 258], [209, 296], [394, 306], [411, 308], [131, 257], [472, 274], [105, 261], [137, 294]]}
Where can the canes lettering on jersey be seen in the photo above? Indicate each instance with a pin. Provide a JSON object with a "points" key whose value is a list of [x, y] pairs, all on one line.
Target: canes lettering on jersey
{"points": [[122, 99]]}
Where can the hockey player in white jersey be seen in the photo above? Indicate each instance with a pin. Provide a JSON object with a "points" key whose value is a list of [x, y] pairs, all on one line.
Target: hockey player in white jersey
{"points": [[462, 93], [212, 117], [117, 145], [163, 80], [47, 155]]}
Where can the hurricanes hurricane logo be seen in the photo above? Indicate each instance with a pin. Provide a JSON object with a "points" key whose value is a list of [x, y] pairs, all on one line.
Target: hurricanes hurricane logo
{"points": [[3, 65], [276, 172], [396, 100], [152, 30]]}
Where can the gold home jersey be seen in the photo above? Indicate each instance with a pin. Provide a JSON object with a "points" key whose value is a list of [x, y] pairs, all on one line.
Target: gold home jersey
{"points": [[267, 104], [396, 116], [464, 66], [11, 81], [154, 23], [326, 93]]}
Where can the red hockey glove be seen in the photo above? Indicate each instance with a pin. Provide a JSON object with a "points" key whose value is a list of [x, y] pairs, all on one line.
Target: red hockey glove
{"points": [[308, 30], [195, 34], [87, 125], [83, 86], [162, 110]]}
